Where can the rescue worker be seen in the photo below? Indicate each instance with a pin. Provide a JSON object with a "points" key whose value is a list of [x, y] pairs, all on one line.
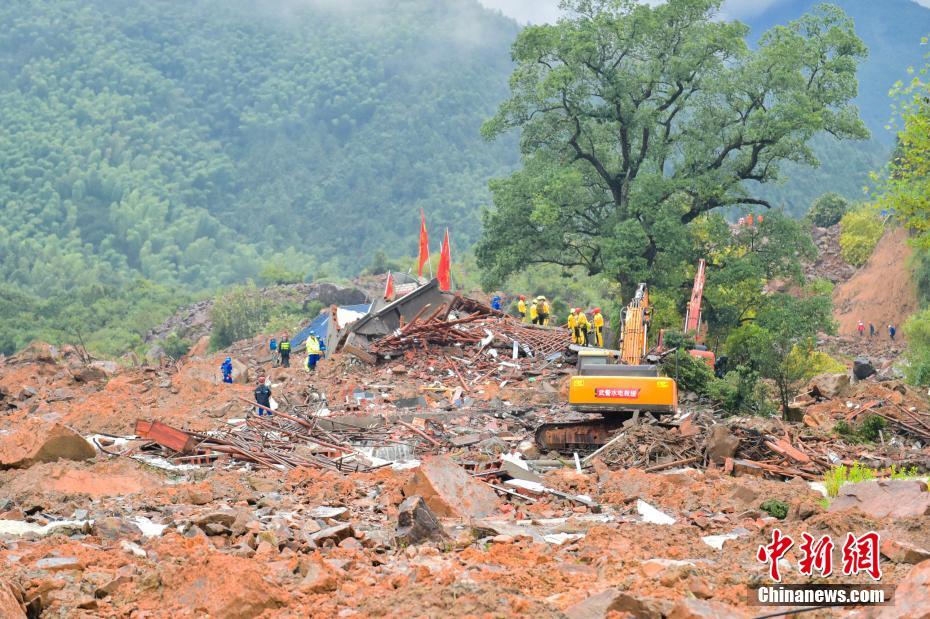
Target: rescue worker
{"points": [[534, 312], [598, 321], [892, 331], [284, 348], [572, 325], [582, 326], [313, 352], [273, 347], [860, 327], [871, 330], [226, 368], [521, 308], [496, 303], [544, 312], [263, 397]]}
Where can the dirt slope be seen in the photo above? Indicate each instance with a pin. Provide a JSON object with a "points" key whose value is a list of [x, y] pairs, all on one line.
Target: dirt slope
{"points": [[882, 291]]}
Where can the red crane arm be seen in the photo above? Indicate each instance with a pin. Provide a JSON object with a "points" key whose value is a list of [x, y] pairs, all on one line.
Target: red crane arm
{"points": [[693, 314]]}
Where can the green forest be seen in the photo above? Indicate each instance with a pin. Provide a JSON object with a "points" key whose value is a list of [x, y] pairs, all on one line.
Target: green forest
{"points": [[153, 152]]}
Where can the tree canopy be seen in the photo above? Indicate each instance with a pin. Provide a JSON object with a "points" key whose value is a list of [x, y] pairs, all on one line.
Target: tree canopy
{"points": [[637, 120]]}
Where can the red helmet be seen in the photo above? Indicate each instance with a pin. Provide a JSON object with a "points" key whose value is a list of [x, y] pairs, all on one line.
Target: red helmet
{"points": [[577, 310], [597, 310], [523, 297]]}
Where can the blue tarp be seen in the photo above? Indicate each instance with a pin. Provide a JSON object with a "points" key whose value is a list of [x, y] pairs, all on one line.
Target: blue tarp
{"points": [[320, 325]]}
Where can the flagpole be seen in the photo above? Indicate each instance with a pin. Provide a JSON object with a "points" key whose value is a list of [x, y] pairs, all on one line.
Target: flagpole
{"points": [[451, 280]]}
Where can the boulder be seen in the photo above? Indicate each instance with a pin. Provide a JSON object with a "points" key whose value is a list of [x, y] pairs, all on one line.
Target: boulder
{"points": [[40, 441], [240, 372], [450, 491], [88, 374], [720, 444], [910, 598], [37, 352], [417, 523], [884, 498], [828, 385], [901, 551], [609, 601], [219, 586], [116, 528], [687, 608], [11, 606], [862, 368]]}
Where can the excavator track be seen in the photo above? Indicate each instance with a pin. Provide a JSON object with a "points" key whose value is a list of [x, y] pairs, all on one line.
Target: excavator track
{"points": [[581, 436]]}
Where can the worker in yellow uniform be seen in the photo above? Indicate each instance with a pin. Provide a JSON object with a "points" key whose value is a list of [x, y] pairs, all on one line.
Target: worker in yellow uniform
{"points": [[544, 314], [534, 313], [582, 326], [598, 327], [314, 350], [572, 325], [521, 308]]}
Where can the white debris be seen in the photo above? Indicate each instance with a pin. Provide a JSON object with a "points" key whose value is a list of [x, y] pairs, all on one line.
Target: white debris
{"points": [[516, 459], [161, 463], [326, 511], [716, 541], [108, 442], [818, 486], [532, 486], [149, 528], [560, 538], [651, 515], [20, 527], [132, 548]]}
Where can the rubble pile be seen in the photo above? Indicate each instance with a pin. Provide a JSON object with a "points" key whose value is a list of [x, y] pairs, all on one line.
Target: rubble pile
{"points": [[403, 478]]}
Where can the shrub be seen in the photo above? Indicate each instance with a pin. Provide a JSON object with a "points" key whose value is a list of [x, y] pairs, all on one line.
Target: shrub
{"points": [[838, 476], [740, 392], [176, 347], [860, 231], [917, 330], [775, 508], [691, 374], [867, 431], [275, 273], [238, 314], [828, 209]]}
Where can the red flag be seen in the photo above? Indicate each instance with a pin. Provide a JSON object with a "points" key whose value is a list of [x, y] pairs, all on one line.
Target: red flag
{"points": [[444, 273], [389, 287], [424, 244]]}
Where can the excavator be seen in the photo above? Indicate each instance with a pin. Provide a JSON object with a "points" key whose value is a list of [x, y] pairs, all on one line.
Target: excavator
{"points": [[616, 384]]}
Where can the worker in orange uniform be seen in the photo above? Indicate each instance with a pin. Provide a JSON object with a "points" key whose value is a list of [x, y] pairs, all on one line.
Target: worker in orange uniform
{"points": [[572, 325], [546, 310], [521, 308], [598, 321], [534, 312], [582, 326]]}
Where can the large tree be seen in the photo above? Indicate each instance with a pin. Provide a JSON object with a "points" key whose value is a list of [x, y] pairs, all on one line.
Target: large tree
{"points": [[637, 120]]}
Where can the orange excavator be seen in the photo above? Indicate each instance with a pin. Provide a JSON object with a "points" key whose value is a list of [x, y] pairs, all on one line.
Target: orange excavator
{"points": [[615, 383]]}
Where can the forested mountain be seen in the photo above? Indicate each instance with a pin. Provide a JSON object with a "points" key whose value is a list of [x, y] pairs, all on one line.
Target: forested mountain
{"points": [[189, 142], [892, 29]]}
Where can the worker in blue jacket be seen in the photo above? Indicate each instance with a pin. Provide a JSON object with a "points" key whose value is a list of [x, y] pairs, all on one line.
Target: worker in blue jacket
{"points": [[227, 368]]}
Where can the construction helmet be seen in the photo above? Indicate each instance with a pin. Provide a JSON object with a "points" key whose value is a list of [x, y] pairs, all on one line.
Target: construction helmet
{"points": [[597, 310], [523, 297]]}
